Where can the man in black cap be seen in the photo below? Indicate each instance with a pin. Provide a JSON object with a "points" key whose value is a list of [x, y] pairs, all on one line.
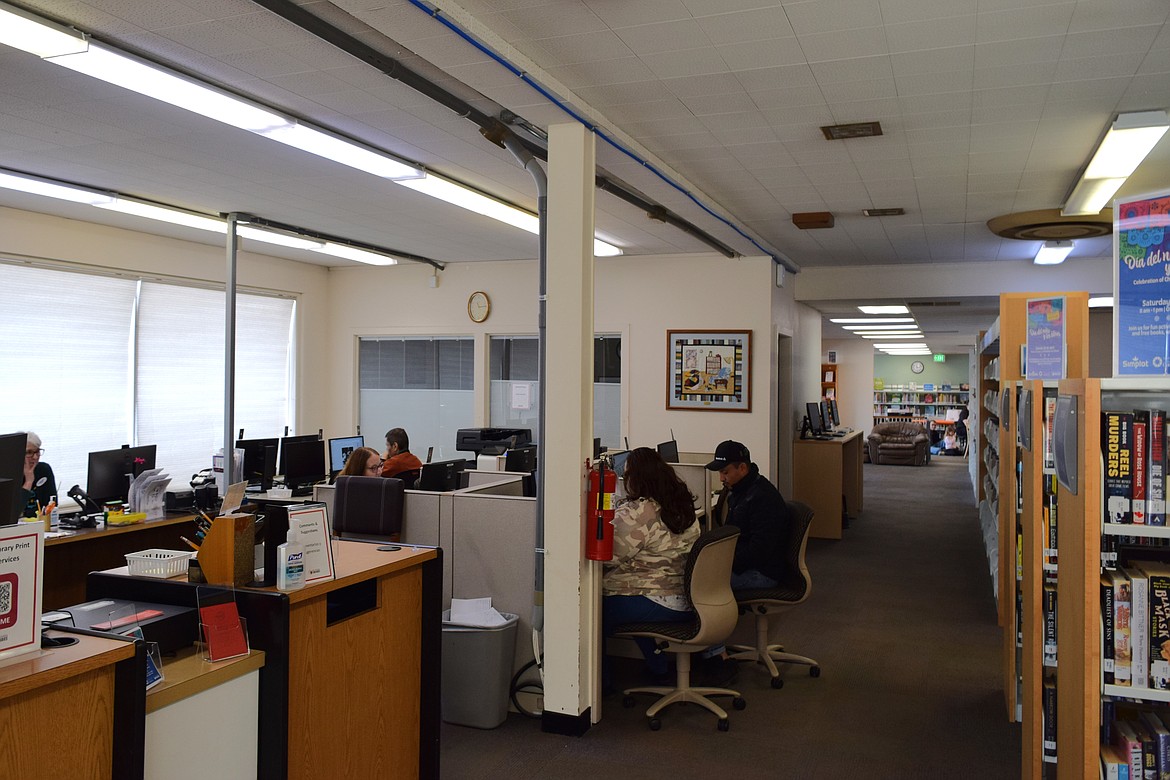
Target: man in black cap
{"points": [[753, 504]]}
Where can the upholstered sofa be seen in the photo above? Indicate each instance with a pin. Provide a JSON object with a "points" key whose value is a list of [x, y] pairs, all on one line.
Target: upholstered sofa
{"points": [[899, 443]]}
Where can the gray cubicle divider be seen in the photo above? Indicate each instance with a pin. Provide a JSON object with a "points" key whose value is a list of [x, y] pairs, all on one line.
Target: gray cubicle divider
{"points": [[697, 479], [503, 483]]}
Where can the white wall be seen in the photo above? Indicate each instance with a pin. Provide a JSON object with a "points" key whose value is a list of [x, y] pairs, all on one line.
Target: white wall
{"points": [[854, 381]]}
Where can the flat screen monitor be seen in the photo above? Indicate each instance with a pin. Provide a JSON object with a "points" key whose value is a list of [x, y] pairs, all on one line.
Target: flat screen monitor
{"points": [[618, 462], [339, 450], [259, 460], [441, 475], [12, 446], [833, 413], [521, 459], [813, 410], [668, 451], [303, 462], [294, 439], [826, 418], [111, 471]]}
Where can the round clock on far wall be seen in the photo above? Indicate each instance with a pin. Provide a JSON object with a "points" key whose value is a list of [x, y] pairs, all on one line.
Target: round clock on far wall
{"points": [[917, 367], [479, 306]]}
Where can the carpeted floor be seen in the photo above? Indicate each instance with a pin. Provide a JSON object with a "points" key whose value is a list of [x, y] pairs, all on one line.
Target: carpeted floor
{"points": [[902, 622]]}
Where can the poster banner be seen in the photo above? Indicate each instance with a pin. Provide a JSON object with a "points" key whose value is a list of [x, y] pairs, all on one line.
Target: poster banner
{"points": [[1046, 338], [1141, 313]]}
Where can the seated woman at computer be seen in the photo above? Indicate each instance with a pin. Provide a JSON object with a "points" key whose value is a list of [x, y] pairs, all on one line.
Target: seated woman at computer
{"points": [[362, 462], [399, 461], [654, 530], [39, 485]]}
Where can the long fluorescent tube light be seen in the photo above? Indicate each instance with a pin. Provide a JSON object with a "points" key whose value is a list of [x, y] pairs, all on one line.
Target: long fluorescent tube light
{"points": [[877, 320], [49, 189], [164, 214], [1053, 252], [894, 344], [903, 326], [22, 30], [1121, 151], [877, 334], [883, 310], [355, 254]]}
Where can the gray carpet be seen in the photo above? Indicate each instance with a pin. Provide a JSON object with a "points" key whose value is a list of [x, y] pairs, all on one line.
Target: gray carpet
{"points": [[902, 622]]}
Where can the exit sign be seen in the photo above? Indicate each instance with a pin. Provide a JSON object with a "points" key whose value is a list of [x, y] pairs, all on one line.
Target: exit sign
{"points": [[940, 358]]}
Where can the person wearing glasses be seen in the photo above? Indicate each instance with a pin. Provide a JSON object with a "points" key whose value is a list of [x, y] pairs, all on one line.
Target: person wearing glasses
{"points": [[362, 462], [39, 485]]}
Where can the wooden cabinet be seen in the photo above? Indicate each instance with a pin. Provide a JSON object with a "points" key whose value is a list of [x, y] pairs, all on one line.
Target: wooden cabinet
{"points": [[830, 376]]}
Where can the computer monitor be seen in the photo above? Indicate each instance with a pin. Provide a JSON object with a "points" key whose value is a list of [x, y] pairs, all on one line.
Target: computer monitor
{"points": [[521, 459], [618, 462], [668, 451], [12, 446], [813, 410], [112, 471], [302, 462], [301, 438], [259, 460], [339, 450], [833, 413], [826, 418], [441, 475]]}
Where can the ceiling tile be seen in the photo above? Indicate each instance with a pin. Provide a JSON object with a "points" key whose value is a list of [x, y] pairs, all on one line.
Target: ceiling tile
{"points": [[845, 44], [789, 98], [1033, 22], [1089, 68], [991, 114], [933, 60], [928, 83], [936, 102], [784, 76], [784, 119], [754, 24], [821, 16], [1013, 76], [618, 94], [553, 20], [931, 34], [605, 71], [1105, 88], [858, 69], [737, 121], [1023, 51], [882, 109], [898, 11], [1126, 40], [859, 90], [720, 104], [1156, 61], [664, 36], [616, 13], [677, 64], [710, 84], [587, 47], [1029, 94], [759, 54], [1098, 16]]}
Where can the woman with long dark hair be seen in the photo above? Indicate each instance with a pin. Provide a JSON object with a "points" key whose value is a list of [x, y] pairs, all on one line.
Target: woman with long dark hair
{"points": [[654, 530]]}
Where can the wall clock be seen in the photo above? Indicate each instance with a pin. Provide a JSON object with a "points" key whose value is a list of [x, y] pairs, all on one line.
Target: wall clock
{"points": [[917, 367], [479, 306]]}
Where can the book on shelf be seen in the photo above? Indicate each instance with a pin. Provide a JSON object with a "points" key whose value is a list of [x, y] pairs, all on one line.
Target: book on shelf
{"points": [[1159, 623], [1114, 765], [1048, 715], [1130, 746], [829, 376], [1139, 466], [1161, 741], [1122, 633], [1049, 611], [1116, 449], [1149, 748], [1156, 484], [1049, 421], [1139, 626], [1051, 555], [1107, 630]]}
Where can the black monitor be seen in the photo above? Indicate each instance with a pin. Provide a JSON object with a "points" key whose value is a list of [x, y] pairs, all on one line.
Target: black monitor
{"points": [[339, 450], [441, 475], [302, 460], [826, 418], [112, 471], [618, 462], [521, 459], [596, 447], [12, 446], [813, 410], [835, 416], [668, 451], [259, 460]]}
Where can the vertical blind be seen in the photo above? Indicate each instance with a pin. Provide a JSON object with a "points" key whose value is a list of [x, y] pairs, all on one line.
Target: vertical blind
{"points": [[101, 362]]}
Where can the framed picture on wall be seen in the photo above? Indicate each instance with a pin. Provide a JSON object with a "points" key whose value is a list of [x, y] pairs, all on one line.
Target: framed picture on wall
{"points": [[709, 370]]}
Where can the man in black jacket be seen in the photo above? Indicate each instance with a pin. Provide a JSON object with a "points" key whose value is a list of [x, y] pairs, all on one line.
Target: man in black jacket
{"points": [[753, 504]]}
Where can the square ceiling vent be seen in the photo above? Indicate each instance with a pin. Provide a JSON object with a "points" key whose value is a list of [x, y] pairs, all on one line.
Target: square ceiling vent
{"points": [[813, 220], [854, 130]]}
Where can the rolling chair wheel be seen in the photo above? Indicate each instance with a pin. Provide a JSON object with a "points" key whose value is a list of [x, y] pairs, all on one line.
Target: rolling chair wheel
{"points": [[739, 702], [777, 683], [724, 724], [655, 724], [814, 671], [627, 701]]}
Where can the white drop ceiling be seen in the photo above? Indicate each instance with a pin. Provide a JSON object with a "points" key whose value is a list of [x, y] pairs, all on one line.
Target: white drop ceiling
{"points": [[987, 106]]}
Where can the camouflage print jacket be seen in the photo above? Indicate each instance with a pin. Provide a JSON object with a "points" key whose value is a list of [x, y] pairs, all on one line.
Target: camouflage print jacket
{"points": [[648, 560]]}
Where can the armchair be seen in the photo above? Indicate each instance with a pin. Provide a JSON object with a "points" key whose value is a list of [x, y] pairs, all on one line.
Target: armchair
{"points": [[899, 443], [707, 580]]}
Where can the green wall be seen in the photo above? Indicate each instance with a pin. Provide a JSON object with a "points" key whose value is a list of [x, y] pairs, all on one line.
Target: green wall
{"points": [[895, 370]]}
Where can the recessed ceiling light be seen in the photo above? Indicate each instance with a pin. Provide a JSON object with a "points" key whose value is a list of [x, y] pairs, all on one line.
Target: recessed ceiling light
{"points": [[883, 309], [840, 320], [1053, 252]]}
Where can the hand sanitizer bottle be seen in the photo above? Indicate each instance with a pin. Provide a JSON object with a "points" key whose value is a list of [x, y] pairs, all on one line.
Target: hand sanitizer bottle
{"points": [[290, 570]]}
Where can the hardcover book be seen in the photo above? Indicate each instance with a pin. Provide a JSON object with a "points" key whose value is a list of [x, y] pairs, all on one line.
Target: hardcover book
{"points": [[1139, 466], [1130, 746], [1114, 765], [1049, 610], [1162, 740], [1159, 622], [1107, 630], [1116, 449], [1156, 484], [1122, 633], [1048, 696], [1139, 627]]}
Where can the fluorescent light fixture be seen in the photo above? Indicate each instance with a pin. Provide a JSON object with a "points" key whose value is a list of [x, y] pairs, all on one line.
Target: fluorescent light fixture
{"points": [[891, 336], [1053, 252], [164, 214], [279, 239], [331, 147], [1101, 302], [1121, 151], [877, 320], [22, 30], [883, 310], [355, 254], [908, 323], [879, 333], [50, 189]]}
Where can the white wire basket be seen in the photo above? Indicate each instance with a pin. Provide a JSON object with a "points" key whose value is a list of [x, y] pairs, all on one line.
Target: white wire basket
{"points": [[157, 563]]}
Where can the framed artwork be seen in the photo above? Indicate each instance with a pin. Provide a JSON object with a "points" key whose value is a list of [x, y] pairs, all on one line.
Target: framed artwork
{"points": [[709, 370]]}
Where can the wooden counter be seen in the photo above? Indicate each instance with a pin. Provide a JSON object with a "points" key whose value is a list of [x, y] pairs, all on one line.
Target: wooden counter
{"points": [[826, 475]]}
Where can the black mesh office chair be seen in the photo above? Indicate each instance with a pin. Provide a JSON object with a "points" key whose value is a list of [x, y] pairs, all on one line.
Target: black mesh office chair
{"points": [[707, 582], [792, 590], [368, 508]]}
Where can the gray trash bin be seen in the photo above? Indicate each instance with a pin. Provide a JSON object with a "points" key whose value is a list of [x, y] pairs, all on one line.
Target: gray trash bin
{"points": [[477, 669]]}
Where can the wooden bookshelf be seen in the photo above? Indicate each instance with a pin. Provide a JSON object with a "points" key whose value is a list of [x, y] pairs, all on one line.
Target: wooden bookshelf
{"points": [[830, 376]]}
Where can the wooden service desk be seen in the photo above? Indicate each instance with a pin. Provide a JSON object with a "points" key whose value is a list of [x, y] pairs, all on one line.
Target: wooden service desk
{"points": [[68, 559], [826, 475], [350, 682], [74, 711]]}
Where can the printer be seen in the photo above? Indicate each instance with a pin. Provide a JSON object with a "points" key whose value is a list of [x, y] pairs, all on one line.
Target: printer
{"points": [[491, 441]]}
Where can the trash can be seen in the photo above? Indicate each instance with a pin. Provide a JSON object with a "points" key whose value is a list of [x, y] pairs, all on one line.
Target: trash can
{"points": [[477, 669]]}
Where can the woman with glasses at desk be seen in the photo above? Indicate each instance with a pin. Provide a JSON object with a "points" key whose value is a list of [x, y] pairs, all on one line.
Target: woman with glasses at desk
{"points": [[362, 462], [40, 488]]}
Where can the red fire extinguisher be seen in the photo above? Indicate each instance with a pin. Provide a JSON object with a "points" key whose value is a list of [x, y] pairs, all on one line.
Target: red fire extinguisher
{"points": [[599, 514]]}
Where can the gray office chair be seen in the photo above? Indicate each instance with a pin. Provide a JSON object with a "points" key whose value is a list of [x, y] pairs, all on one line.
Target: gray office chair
{"points": [[707, 582], [368, 508], [793, 590]]}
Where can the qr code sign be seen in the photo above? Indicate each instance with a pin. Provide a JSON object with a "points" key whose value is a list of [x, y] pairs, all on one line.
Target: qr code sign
{"points": [[7, 600]]}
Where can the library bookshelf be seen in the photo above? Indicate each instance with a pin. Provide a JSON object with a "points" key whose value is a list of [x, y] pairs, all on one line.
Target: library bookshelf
{"points": [[830, 376]]}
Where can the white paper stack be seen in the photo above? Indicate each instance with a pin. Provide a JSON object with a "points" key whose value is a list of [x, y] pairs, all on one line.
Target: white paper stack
{"points": [[478, 613]]}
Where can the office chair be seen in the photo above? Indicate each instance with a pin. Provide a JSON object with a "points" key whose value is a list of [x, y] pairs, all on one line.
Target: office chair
{"points": [[794, 589], [368, 508], [707, 581]]}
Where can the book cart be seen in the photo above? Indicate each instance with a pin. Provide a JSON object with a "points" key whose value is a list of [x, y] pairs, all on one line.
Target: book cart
{"points": [[1083, 535]]}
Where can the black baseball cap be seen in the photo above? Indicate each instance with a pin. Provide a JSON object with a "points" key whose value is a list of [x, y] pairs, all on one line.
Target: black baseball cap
{"points": [[729, 452]]}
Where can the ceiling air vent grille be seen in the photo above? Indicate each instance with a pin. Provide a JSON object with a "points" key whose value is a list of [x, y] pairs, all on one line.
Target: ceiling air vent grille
{"points": [[854, 130]]}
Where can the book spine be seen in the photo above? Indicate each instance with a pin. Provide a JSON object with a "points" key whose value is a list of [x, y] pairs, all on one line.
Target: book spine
{"points": [[1140, 628], [1107, 632], [1050, 502], [1162, 735], [1122, 631], [1156, 484], [1117, 428], [1048, 728], [1130, 746], [1149, 750], [1049, 423], [1159, 593], [1049, 609], [1138, 467]]}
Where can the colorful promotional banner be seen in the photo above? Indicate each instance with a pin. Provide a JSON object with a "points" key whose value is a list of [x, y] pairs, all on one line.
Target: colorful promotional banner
{"points": [[1045, 339], [1141, 319]]}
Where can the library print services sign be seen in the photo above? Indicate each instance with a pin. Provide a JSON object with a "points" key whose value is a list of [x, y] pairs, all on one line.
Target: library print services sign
{"points": [[1141, 311]]}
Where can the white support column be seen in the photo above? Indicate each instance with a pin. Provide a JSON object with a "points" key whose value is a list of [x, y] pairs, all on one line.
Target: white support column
{"points": [[569, 592]]}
